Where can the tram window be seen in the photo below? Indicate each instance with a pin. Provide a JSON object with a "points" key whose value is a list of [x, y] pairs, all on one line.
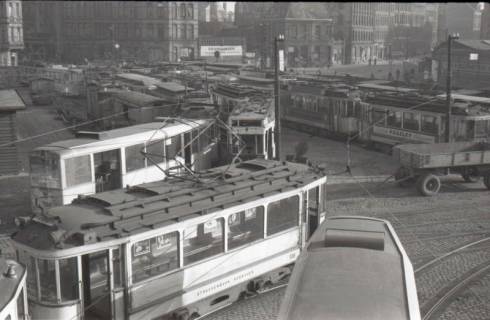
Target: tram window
{"points": [[47, 278], [350, 109], [245, 227], [68, 279], [260, 143], [134, 158], [78, 170], [195, 141], [172, 147], [30, 263], [482, 128], [154, 150], [116, 267], [155, 256], [394, 119], [411, 121], [282, 215], [203, 240], [429, 124], [45, 165], [379, 117], [20, 304]]}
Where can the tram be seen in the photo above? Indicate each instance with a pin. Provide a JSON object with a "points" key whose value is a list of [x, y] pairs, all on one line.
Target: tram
{"points": [[353, 268], [13, 294], [101, 161], [173, 249]]}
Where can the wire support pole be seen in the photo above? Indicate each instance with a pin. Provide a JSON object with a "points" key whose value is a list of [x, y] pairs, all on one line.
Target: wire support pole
{"points": [[277, 109]]}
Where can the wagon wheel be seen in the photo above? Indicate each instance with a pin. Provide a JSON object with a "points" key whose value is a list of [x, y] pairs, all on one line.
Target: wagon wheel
{"points": [[470, 175], [486, 180], [403, 178], [428, 184]]}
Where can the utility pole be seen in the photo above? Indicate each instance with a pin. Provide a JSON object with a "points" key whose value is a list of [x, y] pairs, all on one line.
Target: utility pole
{"points": [[277, 109], [448, 86]]}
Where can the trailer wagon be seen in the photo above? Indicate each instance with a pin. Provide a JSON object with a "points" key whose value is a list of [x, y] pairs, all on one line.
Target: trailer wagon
{"points": [[424, 163]]}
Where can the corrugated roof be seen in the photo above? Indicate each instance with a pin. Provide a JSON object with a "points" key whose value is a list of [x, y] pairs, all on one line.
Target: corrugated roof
{"points": [[10, 101], [475, 44]]}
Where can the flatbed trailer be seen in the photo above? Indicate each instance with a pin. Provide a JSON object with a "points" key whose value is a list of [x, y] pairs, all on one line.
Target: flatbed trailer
{"points": [[424, 163]]}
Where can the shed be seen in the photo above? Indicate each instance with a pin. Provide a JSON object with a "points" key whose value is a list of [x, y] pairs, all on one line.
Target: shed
{"points": [[10, 102]]}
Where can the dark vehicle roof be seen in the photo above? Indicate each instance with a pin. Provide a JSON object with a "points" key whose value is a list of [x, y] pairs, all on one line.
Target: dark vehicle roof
{"points": [[119, 213], [352, 269]]}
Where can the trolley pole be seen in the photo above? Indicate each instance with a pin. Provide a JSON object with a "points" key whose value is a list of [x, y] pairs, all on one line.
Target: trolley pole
{"points": [[277, 109], [448, 86]]}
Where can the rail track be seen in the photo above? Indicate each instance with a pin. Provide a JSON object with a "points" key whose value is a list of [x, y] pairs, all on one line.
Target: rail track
{"points": [[462, 257]]}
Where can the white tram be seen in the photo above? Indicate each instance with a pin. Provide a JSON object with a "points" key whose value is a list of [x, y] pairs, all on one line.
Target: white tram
{"points": [[96, 162], [13, 295], [177, 249]]}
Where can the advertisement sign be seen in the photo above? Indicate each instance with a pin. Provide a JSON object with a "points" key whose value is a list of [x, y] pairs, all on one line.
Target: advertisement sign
{"points": [[224, 51], [281, 60], [402, 135]]}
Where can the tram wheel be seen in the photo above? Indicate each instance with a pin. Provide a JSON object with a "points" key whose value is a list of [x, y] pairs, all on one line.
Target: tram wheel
{"points": [[428, 184], [486, 180]]}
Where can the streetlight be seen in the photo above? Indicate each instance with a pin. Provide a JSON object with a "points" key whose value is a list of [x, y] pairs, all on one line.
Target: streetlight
{"points": [[277, 130], [448, 85]]}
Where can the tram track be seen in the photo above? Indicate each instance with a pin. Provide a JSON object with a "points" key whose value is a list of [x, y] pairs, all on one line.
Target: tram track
{"points": [[468, 266]]}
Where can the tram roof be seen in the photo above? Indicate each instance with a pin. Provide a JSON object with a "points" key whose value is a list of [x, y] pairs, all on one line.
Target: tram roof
{"points": [[361, 259], [8, 284], [119, 213], [86, 138], [381, 87]]}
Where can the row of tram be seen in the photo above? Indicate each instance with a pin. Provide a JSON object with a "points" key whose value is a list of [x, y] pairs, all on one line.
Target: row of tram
{"points": [[383, 114], [178, 248], [95, 162]]}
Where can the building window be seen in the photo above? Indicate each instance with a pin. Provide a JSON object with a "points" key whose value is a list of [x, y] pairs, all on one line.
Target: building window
{"points": [[155, 256], [176, 10], [317, 34], [182, 10], [175, 32], [78, 170], [282, 215], [203, 240], [17, 10], [190, 11], [245, 227], [190, 32], [10, 10], [134, 158], [68, 279]]}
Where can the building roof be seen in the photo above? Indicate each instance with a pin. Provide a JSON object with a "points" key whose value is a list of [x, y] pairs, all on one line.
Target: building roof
{"points": [[479, 45], [173, 87], [137, 98], [119, 213], [299, 11], [10, 101]]}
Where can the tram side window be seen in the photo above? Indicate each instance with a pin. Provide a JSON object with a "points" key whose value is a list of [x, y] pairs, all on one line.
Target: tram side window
{"points": [[411, 121], [155, 256], [203, 240], [394, 119], [245, 227], [68, 279], [282, 215], [47, 277], [172, 147], [429, 124], [20, 305], [482, 128], [30, 263], [154, 150], [195, 141], [78, 170], [134, 158]]}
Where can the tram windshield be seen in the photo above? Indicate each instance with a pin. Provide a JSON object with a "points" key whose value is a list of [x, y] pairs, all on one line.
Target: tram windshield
{"points": [[45, 169]]}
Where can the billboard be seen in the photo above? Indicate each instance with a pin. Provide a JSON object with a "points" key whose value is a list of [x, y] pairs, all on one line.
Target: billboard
{"points": [[225, 51]]}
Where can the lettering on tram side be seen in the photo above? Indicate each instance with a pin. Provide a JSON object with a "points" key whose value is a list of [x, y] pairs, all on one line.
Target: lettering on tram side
{"points": [[403, 134], [225, 283]]}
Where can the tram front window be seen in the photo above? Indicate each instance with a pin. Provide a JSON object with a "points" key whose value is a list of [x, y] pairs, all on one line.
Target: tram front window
{"points": [[45, 169], [47, 277], [69, 279]]}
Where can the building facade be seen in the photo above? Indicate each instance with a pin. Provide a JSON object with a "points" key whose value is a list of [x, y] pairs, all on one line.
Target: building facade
{"points": [[485, 22], [121, 30], [11, 32]]}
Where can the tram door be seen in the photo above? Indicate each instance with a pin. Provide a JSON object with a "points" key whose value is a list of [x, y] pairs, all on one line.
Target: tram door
{"points": [[313, 206], [107, 166], [187, 149], [97, 285]]}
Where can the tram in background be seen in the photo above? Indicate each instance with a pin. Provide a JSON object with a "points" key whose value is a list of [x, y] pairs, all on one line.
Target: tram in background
{"points": [[353, 268], [101, 161], [13, 294], [382, 114], [178, 248]]}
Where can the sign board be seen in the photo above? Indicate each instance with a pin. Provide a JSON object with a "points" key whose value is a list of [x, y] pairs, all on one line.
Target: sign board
{"points": [[473, 56], [281, 60], [250, 54], [224, 51], [398, 134]]}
